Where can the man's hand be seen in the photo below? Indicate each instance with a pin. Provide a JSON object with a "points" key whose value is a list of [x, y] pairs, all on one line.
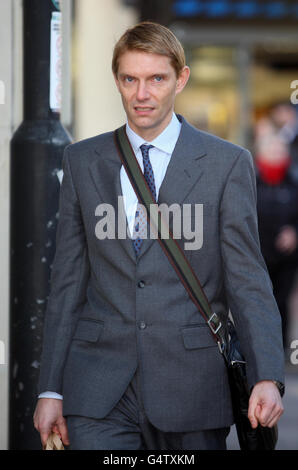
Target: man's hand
{"points": [[265, 405], [48, 417]]}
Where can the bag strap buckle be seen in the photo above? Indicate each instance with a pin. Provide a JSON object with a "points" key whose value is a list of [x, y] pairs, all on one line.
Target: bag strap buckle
{"points": [[214, 323]]}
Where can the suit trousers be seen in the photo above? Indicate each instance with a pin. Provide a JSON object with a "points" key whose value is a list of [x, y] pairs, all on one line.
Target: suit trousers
{"points": [[127, 427]]}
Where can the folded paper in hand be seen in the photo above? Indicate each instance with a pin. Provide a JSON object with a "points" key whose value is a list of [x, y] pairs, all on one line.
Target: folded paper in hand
{"points": [[54, 442]]}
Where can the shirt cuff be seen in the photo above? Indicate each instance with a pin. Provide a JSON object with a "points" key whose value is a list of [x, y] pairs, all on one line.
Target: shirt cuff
{"points": [[50, 395]]}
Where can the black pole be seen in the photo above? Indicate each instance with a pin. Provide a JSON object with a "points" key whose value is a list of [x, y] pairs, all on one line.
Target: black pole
{"points": [[160, 11], [36, 157]]}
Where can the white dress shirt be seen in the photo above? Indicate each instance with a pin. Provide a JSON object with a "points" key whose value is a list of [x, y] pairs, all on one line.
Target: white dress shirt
{"points": [[160, 156]]}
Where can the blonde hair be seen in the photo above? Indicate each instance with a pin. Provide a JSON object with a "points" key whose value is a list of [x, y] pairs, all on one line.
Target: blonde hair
{"points": [[153, 38]]}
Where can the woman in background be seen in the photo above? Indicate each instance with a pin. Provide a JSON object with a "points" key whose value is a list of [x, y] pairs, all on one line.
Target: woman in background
{"points": [[278, 214]]}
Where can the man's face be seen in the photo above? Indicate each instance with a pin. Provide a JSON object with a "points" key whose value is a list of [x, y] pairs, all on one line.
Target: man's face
{"points": [[148, 86]]}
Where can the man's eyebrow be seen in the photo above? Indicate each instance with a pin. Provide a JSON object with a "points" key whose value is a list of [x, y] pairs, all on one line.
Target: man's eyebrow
{"points": [[123, 75], [155, 74], [161, 74]]}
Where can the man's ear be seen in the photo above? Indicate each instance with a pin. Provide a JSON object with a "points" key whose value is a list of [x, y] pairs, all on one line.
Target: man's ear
{"points": [[182, 79]]}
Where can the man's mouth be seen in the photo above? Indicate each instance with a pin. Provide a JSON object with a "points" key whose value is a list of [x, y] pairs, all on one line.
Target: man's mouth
{"points": [[143, 109]]}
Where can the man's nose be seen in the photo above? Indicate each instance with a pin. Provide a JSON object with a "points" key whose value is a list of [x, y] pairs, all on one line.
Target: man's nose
{"points": [[142, 91]]}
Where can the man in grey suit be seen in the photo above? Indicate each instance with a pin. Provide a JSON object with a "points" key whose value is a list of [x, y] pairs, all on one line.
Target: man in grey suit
{"points": [[128, 362]]}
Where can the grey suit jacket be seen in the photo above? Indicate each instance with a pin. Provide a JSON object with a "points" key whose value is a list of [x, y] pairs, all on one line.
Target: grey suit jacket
{"points": [[102, 323]]}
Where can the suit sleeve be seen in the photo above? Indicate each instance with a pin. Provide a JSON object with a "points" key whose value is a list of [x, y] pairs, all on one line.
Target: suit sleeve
{"points": [[69, 278], [247, 284]]}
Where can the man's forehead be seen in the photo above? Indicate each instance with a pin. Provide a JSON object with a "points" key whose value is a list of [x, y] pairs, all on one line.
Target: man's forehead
{"points": [[140, 61]]}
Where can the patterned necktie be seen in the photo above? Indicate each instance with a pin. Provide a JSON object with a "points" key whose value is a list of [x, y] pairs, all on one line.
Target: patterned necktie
{"points": [[140, 224]]}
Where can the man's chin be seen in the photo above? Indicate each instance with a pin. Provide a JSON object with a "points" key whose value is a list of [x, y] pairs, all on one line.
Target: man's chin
{"points": [[144, 122], [141, 124]]}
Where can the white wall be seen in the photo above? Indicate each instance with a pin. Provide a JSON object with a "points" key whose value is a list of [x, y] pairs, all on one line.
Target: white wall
{"points": [[6, 116], [66, 109], [10, 118], [98, 26]]}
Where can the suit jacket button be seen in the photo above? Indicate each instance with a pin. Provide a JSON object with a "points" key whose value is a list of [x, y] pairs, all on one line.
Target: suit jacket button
{"points": [[142, 325], [141, 284]]}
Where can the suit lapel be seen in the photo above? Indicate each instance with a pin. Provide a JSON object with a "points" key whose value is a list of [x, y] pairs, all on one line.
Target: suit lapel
{"points": [[184, 168], [105, 173], [182, 174]]}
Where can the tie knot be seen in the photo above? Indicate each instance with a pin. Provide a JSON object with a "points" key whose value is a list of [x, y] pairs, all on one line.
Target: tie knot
{"points": [[145, 150]]}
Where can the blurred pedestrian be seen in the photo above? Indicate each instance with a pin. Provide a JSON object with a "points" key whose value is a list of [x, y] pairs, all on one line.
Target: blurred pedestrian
{"points": [[278, 217], [284, 116]]}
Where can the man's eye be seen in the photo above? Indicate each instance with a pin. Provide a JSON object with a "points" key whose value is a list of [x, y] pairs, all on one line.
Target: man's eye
{"points": [[158, 78], [128, 79]]}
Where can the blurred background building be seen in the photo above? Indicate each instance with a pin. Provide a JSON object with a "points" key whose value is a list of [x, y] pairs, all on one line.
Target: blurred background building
{"points": [[243, 56]]}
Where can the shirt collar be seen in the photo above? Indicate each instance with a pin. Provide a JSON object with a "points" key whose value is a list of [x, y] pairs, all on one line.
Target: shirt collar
{"points": [[165, 141]]}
